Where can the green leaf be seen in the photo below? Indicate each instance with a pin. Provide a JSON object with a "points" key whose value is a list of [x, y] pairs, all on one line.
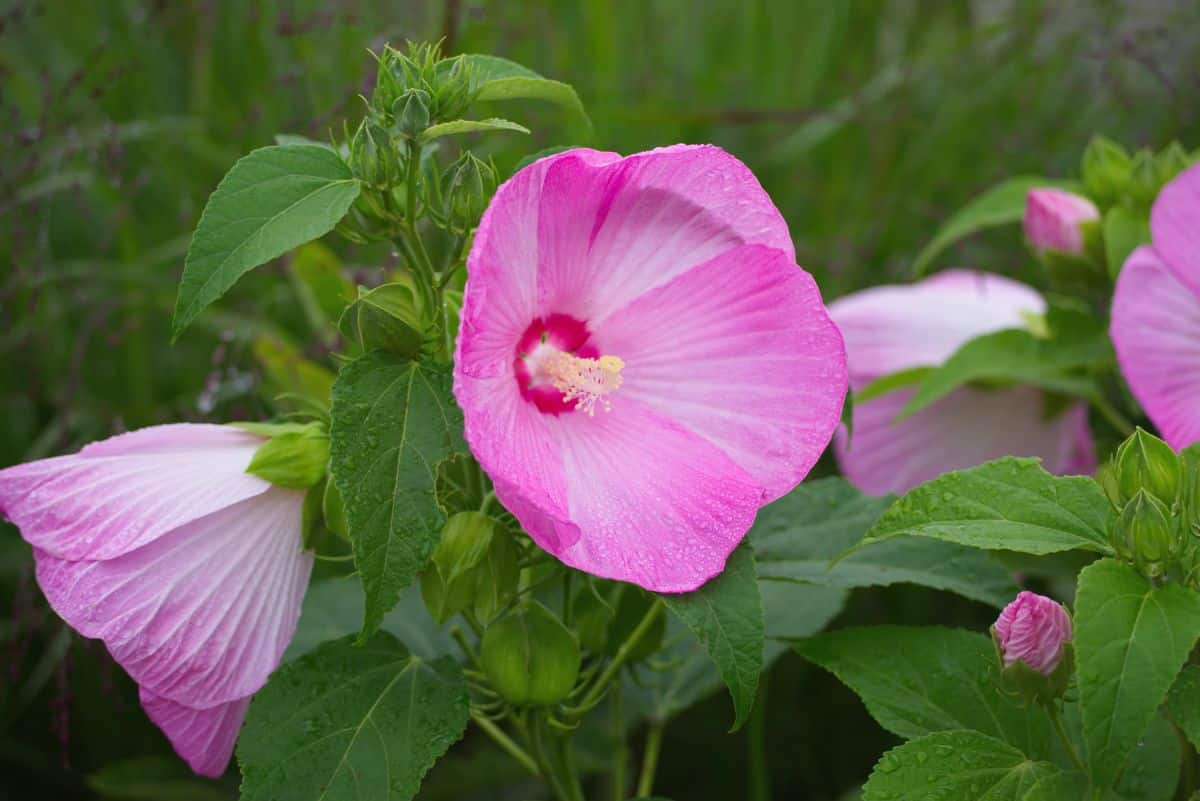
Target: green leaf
{"points": [[1183, 703], [1016, 356], [393, 422], [920, 680], [1152, 772], [1000, 205], [350, 722], [892, 382], [153, 778], [1124, 230], [958, 765], [1007, 504], [798, 537], [273, 200], [287, 372], [501, 79], [540, 154], [323, 291], [1059, 787], [1131, 639], [388, 317], [726, 615], [455, 127]]}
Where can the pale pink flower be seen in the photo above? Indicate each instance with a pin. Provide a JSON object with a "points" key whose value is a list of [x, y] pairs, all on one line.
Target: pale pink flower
{"points": [[1053, 217], [641, 364], [188, 568], [1033, 629], [1156, 314], [889, 329]]}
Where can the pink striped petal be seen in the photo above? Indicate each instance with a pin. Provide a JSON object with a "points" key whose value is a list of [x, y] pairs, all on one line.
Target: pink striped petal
{"points": [[201, 615], [892, 328], [125, 492], [1156, 332], [204, 738], [1175, 227], [741, 352], [963, 429]]}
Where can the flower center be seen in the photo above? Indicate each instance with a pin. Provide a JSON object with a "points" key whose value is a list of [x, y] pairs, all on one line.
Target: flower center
{"points": [[584, 381], [559, 370]]}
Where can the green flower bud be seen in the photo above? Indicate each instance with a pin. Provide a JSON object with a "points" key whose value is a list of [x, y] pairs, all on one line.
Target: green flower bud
{"points": [[454, 88], [372, 157], [411, 112], [1189, 497], [530, 657], [1106, 477], [497, 577], [388, 317], [1144, 461], [1106, 170], [448, 585], [467, 185], [296, 459], [333, 508], [1145, 534]]}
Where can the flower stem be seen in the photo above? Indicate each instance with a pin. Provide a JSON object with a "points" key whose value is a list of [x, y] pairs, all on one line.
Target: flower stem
{"points": [[1056, 719], [654, 737], [610, 672], [506, 743], [1114, 417], [618, 735], [760, 773]]}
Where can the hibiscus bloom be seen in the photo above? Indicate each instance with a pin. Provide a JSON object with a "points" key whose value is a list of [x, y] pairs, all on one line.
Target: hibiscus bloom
{"points": [[889, 329], [641, 364], [188, 568], [1156, 313]]}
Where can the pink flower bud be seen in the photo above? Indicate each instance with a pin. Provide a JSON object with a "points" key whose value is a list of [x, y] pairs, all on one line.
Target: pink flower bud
{"points": [[1032, 629], [1053, 217]]}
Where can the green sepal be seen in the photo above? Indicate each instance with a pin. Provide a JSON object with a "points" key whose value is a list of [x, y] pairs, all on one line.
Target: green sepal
{"points": [[333, 509], [1022, 681], [311, 514], [1145, 462], [530, 657], [293, 459]]}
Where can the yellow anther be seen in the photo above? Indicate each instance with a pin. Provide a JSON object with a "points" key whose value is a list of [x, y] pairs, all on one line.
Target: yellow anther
{"points": [[585, 381]]}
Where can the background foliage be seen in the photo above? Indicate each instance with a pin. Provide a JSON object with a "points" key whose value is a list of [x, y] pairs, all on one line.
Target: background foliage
{"points": [[868, 122]]}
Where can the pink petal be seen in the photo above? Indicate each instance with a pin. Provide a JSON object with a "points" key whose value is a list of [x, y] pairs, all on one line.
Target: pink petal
{"points": [[1053, 217], [1156, 332], [892, 328], [204, 738], [1175, 227], [609, 233], [963, 429], [741, 352], [655, 504], [503, 266], [125, 492], [202, 614]]}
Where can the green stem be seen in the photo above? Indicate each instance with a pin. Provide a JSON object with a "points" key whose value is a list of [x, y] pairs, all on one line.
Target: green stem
{"points": [[465, 645], [760, 774], [555, 756], [654, 737], [1056, 719], [506, 743], [610, 672], [618, 735], [1114, 417]]}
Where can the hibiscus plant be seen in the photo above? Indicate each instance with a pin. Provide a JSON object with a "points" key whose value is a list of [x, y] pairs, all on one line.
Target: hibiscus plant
{"points": [[553, 494]]}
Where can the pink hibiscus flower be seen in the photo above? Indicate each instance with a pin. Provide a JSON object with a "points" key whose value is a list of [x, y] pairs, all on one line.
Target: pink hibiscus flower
{"points": [[893, 328], [641, 364], [188, 568], [1156, 314], [1033, 629]]}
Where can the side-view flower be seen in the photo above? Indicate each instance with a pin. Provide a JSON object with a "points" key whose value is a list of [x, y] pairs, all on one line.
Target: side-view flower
{"points": [[191, 571], [1033, 629], [641, 364]]}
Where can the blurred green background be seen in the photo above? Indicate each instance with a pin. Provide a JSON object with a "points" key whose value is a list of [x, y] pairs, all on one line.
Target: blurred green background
{"points": [[867, 121]]}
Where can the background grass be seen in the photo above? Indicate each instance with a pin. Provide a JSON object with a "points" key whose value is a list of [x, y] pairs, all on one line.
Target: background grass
{"points": [[867, 121]]}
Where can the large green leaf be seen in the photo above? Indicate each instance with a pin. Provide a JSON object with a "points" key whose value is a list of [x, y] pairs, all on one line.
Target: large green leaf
{"points": [[1077, 342], [1183, 703], [1007, 504], [351, 722], [1131, 639], [920, 680], [501, 79], [797, 537], [1000, 205], [393, 422], [726, 615], [958, 765], [274, 199]]}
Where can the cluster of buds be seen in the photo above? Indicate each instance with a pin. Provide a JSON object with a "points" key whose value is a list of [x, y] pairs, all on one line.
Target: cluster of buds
{"points": [[1033, 638], [1155, 493], [418, 88], [475, 568]]}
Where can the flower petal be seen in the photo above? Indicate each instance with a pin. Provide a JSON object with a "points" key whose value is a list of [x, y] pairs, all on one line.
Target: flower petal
{"points": [[892, 328], [201, 615], [1156, 332], [655, 504], [741, 352], [963, 429], [1175, 227], [204, 738], [125, 492], [609, 233]]}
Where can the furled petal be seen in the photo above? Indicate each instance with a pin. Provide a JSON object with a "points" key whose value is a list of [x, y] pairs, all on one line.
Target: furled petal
{"points": [[740, 351], [1156, 332], [609, 233], [892, 328], [125, 492], [1175, 227], [201, 615], [655, 504], [502, 267], [963, 429], [203, 737]]}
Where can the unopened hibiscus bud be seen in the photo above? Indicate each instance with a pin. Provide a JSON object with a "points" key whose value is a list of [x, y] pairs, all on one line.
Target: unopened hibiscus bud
{"points": [[448, 586], [466, 188], [412, 112], [530, 657], [1053, 219], [1143, 461], [296, 459], [372, 157], [1145, 534], [1033, 636]]}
